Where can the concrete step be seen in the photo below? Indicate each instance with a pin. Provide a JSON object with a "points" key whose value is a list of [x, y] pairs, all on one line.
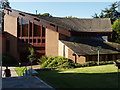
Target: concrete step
{"points": [[24, 82]]}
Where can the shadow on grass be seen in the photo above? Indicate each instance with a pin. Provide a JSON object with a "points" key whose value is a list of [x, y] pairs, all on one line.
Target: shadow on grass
{"points": [[80, 80]]}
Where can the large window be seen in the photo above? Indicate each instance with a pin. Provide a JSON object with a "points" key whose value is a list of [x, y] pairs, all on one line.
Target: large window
{"points": [[24, 28], [37, 30]]}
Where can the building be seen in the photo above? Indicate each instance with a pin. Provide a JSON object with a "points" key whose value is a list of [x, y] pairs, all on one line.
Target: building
{"points": [[73, 38]]}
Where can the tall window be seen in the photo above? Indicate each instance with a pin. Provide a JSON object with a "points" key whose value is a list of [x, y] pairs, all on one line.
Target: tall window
{"points": [[24, 28], [37, 30]]}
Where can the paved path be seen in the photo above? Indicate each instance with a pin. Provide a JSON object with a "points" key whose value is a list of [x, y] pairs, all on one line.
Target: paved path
{"points": [[16, 81], [24, 82]]}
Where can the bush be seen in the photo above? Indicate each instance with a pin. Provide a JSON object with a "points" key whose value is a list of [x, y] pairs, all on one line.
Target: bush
{"points": [[42, 59], [58, 62], [93, 63], [8, 60]]}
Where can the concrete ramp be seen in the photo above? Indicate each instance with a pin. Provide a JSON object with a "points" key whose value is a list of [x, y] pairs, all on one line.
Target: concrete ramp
{"points": [[24, 82]]}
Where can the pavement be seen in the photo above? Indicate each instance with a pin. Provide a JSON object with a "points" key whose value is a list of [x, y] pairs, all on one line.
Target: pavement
{"points": [[28, 81]]}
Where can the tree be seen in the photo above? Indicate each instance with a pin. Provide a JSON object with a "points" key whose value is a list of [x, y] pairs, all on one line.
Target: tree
{"points": [[32, 55], [70, 17], [5, 4], [45, 14], [111, 13], [116, 29]]}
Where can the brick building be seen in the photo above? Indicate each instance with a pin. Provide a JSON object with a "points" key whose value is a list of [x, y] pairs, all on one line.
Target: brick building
{"points": [[73, 38]]}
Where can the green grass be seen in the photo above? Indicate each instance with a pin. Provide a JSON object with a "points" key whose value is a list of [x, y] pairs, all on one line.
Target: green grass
{"points": [[20, 70], [104, 76]]}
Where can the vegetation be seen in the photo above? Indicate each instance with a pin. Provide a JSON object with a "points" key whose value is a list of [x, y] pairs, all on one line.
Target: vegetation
{"points": [[111, 13], [62, 62], [116, 29], [58, 62], [8, 60], [5, 4], [45, 14], [20, 70], [104, 76], [42, 60], [32, 55]]}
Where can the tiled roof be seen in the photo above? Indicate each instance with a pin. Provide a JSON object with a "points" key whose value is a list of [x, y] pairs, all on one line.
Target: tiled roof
{"points": [[79, 24], [82, 25], [88, 47]]}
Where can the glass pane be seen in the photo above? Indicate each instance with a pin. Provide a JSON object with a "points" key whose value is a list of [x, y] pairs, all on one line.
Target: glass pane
{"points": [[37, 30], [24, 28]]}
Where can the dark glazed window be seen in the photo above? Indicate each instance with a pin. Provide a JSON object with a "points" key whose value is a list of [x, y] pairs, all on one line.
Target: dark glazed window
{"points": [[30, 29], [37, 30], [24, 28], [43, 32], [18, 28]]}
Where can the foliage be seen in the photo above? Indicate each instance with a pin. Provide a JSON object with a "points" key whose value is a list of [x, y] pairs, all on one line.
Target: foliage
{"points": [[116, 29], [45, 14], [8, 60], [70, 17], [111, 13], [42, 59], [5, 4], [58, 62], [93, 63], [32, 55]]}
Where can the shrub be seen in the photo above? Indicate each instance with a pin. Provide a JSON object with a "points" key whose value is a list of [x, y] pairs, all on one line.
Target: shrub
{"points": [[58, 62], [42, 59]]}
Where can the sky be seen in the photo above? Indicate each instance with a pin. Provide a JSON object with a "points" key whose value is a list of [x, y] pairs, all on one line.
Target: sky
{"points": [[80, 9]]}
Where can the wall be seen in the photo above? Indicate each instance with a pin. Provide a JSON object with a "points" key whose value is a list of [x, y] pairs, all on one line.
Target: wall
{"points": [[51, 43], [10, 27], [81, 59], [61, 49]]}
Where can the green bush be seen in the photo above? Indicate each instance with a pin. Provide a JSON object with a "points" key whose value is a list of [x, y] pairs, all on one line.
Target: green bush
{"points": [[8, 60], [58, 62], [42, 59]]}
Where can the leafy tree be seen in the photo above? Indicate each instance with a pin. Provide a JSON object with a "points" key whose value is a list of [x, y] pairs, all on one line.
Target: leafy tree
{"points": [[70, 17], [111, 13], [116, 29], [5, 4], [45, 14], [32, 55]]}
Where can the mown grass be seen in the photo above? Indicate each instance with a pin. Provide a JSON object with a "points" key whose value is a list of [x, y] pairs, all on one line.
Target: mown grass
{"points": [[104, 76]]}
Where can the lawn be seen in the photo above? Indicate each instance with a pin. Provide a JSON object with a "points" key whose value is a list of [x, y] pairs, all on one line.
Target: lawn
{"points": [[104, 76]]}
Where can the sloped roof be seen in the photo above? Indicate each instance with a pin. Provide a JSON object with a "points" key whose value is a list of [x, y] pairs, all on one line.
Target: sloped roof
{"points": [[83, 25], [88, 47], [79, 24]]}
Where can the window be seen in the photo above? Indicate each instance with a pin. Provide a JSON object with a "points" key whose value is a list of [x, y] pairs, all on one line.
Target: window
{"points": [[30, 29], [64, 50], [43, 32], [18, 21], [37, 30], [24, 28]]}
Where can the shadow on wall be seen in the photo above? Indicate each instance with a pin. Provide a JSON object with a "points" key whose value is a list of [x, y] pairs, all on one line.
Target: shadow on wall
{"points": [[16, 48]]}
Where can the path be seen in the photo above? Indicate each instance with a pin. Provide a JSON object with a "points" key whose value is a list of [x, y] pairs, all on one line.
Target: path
{"points": [[24, 82], [16, 81]]}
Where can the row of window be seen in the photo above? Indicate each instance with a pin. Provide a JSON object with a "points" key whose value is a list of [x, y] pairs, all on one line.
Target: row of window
{"points": [[33, 40], [29, 29]]}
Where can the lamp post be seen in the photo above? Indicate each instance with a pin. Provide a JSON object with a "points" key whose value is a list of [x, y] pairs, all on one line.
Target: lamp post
{"points": [[98, 48]]}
